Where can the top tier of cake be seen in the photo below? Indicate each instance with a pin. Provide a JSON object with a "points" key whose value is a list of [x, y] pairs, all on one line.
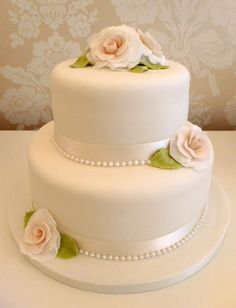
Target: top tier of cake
{"points": [[101, 106]]}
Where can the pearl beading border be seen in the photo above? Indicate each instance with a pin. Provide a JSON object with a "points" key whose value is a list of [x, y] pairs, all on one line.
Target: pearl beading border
{"points": [[150, 254], [92, 163]]}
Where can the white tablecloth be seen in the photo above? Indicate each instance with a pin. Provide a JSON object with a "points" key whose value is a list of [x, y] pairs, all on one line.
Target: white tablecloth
{"points": [[23, 286]]}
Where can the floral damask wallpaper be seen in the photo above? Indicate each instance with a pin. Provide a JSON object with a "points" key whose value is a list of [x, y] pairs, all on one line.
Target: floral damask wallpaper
{"points": [[37, 34]]}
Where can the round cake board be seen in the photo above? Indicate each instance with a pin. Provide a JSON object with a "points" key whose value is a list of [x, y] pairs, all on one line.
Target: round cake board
{"points": [[131, 276]]}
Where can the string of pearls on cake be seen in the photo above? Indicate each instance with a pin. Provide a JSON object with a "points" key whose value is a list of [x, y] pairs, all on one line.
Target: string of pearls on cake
{"points": [[150, 254], [92, 163]]}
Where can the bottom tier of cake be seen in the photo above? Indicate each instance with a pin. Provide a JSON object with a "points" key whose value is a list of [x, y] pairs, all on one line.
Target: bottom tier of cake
{"points": [[116, 211]]}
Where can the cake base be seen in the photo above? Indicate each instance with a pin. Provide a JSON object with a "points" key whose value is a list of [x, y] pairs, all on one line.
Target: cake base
{"points": [[131, 277]]}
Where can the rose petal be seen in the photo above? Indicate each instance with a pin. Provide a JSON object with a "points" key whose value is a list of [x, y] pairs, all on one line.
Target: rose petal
{"points": [[42, 215], [31, 248], [48, 235], [181, 137], [39, 234], [155, 54]]}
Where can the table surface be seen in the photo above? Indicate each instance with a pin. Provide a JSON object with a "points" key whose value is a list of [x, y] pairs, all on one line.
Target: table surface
{"points": [[23, 286]]}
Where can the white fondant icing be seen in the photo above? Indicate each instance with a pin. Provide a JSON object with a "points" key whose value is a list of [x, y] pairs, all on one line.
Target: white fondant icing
{"points": [[114, 204], [100, 106]]}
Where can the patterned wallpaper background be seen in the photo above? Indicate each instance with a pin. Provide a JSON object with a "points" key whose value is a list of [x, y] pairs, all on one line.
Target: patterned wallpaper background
{"points": [[37, 34]]}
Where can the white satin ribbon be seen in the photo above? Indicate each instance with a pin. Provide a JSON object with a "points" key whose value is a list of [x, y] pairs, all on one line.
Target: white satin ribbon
{"points": [[133, 248], [114, 153]]}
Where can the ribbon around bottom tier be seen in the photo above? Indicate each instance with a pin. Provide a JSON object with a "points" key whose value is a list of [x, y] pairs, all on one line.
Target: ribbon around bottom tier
{"points": [[108, 153], [140, 247]]}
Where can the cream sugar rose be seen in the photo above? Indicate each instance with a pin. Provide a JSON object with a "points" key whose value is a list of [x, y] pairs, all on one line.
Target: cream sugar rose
{"points": [[121, 104], [123, 47], [191, 147], [41, 239]]}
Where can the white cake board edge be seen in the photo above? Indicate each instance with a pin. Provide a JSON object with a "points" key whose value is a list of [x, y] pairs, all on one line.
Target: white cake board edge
{"points": [[97, 275]]}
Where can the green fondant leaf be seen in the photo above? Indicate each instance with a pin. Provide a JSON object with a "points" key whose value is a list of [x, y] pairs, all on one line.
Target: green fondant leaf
{"points": [[27, 217], [138, 69], [82, 61], [159, 67], [162, 159], [155, 66], [68, 248]]}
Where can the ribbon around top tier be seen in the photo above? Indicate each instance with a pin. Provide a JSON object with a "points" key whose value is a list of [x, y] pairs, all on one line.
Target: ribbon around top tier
{"points": [[113, 153]]}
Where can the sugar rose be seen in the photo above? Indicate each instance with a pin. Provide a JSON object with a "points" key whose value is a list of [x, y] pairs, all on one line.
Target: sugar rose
{"points": [[116, 47], [41, 238], [154, 52], [191, 147]]}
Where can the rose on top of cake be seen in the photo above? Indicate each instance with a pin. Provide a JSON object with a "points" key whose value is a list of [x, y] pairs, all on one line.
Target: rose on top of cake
{"points": [[123, 47]]}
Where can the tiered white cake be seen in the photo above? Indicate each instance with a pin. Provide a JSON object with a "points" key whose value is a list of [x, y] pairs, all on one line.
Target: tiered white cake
{"points": [[93, 167]]}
